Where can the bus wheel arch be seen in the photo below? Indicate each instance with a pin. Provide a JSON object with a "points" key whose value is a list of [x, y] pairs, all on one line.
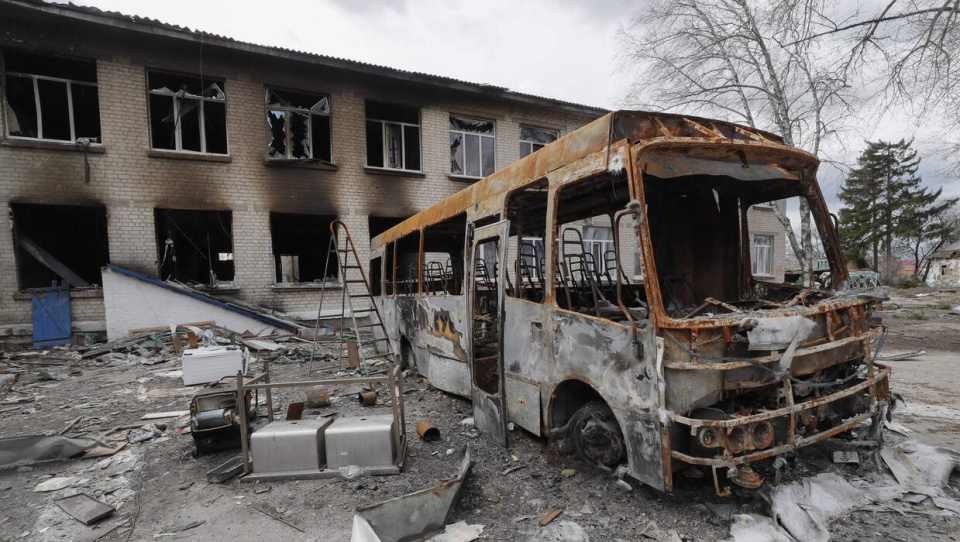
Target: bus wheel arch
{"points": [[582, 422]]}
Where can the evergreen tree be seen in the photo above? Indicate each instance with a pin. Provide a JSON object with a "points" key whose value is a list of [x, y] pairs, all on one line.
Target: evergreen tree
{"points": [[883, 201]]}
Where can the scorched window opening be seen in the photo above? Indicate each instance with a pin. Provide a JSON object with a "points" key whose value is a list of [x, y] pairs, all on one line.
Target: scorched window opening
{"points": [[50, 97]]}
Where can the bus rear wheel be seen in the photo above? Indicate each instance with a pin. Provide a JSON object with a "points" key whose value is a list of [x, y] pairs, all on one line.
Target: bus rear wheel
{"points": [[596, 435]]}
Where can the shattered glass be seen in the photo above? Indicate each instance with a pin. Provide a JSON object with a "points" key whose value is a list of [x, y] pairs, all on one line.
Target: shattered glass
{"points": [[276, 125], [214, 92], [533, 139], [537, 135], [196, 102], [456, 153], [393, 138], [303, 119], [299, 135], [465, 124], [21, 107]]}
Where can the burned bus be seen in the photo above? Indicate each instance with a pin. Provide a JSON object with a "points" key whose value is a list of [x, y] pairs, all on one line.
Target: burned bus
{"points": [[500, 293]]}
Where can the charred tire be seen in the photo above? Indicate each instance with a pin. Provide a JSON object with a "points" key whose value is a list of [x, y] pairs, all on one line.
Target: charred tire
{"points": [[596, 435]]}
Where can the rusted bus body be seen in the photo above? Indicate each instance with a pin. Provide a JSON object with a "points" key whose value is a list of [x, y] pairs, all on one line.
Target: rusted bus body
{"points": [[679, 362]]}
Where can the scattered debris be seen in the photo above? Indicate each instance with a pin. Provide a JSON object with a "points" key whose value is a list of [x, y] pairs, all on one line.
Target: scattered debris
{"points": [[144, 433], [55, 484], [278, 518], [220, 474], [428, 431], [368, 398], [841, 456], [568, 473], [550, 516], [207, 364], [26, 450], [84, 508], [458, 532], [164, 415], [920, 466], [803, 510], [413, 516], [902, 357], [564, 531], [187, 527], [70, 425], [317, 399]]}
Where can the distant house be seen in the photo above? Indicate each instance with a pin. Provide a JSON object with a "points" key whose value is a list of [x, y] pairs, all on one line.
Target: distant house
{"points": [[905, 268], [945, 266]]}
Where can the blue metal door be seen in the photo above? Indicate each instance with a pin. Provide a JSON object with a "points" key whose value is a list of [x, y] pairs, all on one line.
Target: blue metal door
{"points": [[51, 316]]}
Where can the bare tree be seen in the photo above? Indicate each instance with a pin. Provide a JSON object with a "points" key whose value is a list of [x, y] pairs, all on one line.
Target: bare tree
{"points": [[747, 62], [908, 51]]}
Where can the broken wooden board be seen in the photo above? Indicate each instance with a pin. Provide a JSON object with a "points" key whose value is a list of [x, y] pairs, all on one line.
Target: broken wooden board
{"points": [[103, 451], [161, 415], [163, 329], [85, 508]]}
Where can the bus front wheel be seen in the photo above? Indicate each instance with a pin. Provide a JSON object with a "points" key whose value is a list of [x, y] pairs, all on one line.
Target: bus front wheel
{"points": [[596, 435]]}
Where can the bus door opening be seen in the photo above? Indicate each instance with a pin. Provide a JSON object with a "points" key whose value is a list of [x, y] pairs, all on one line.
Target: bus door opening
{"points": [[487, 282]]}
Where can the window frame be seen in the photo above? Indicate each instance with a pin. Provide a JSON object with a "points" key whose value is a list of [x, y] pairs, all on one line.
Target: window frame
{"points": [[288, 110], [178, 134], [531, 144], [768, 259], [493, 143], [384, 149], [604, 246], [34, 78]]}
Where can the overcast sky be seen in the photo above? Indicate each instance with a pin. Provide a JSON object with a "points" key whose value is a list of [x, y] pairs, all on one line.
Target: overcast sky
{"points": [[564, 49], [559, 49]]}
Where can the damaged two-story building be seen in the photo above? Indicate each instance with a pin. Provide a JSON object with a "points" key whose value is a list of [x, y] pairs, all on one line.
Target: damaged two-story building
{"points": [[195, 158]]}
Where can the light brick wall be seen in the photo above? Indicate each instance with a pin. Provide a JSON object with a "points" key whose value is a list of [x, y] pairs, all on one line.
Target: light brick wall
{"points": [[131, 182], [762, 221]]}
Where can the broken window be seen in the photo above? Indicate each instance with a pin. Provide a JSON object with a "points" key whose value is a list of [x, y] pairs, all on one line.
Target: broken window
{"points": [[472, 151], [586, 262], [443, 256], [408, 264], [187, 113], [763, 255], [393, 136], [527, 212], [56, 243], [50, 97], [300, 248], [194, 246], [533, 139], [298, 125]]}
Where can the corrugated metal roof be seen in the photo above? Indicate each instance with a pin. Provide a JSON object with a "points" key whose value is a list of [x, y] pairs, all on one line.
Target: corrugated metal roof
{"points": [[146, 24]]}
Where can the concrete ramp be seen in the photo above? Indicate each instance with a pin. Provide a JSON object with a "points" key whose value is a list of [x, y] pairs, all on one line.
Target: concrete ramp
{"points": [[135, 301]]}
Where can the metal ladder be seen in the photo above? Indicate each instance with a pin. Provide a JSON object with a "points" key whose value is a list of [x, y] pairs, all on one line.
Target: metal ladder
{"points": [[341, 244]]}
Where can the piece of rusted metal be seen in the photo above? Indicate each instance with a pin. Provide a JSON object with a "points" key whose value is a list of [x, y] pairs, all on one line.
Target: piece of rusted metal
{"points": [[295, 411], [428, 431], [367, 398]]}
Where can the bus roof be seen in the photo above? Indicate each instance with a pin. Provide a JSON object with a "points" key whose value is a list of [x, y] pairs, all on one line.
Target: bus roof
{"points": [[634, 126]]}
